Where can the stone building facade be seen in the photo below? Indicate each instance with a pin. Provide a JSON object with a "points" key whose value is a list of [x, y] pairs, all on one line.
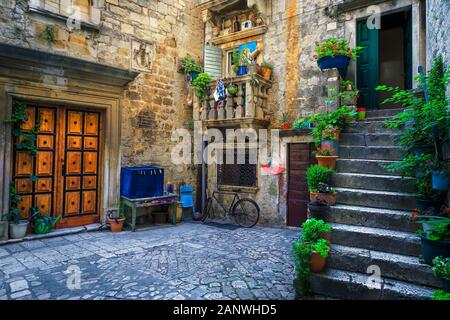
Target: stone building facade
{"points": [[120, 55]]}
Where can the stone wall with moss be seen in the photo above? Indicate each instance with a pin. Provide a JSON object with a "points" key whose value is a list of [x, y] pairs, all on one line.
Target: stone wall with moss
{"points": [[144, 35]]}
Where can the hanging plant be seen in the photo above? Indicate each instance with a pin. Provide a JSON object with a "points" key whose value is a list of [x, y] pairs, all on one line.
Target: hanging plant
{"points": [[202, 85]]}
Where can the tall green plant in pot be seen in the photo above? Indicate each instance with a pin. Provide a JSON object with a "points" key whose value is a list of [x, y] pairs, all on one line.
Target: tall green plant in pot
{"points": [[17, 227], [202, 85]]}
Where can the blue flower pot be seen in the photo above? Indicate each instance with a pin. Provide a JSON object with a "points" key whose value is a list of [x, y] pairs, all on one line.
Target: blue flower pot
{"points": [[243, 70], [194, 75], [339, 62], [440, 181]]}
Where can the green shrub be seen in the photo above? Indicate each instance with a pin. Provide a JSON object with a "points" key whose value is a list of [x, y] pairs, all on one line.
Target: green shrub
{"points": [[312, 229], [189, 65], [441, 267], [202, 85], [317, 175], [441, 295]]}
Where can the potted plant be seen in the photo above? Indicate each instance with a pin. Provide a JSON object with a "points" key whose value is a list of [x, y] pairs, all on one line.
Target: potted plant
{"points": [[440, 174], [266, 69], [325, 157], [348, 94], [318, 177], [190, 67], [232, 89], [202, 85], [318, 209], [17, 227], [361, 113], [315, 229], [336, 53], [441, 295], [286, 121], [441, 269], [331, 133], [437, 242], [42, 224], [116, 219], [302, 123]]}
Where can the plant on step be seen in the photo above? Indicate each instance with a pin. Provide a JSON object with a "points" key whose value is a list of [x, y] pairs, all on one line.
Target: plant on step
{"points": [[348, 93], [324, 151], [441, 268], [317, 175], [202, 85], [309, 256], [303, 122], [425, 119], [440, 230], [286, 120], [330, 133], [314, 229], [441, 295]]}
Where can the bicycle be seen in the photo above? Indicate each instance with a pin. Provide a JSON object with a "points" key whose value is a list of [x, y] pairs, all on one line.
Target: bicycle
{"points": [[245, 212]]}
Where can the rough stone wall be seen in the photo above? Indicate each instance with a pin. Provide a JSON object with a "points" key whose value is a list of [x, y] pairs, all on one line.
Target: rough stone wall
{"points": [[168, 29]]}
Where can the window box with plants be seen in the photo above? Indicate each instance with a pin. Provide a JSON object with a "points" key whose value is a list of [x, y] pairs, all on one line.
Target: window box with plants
{"points": [[191, 68], [318, 178], [336, 53], [310, 253]]}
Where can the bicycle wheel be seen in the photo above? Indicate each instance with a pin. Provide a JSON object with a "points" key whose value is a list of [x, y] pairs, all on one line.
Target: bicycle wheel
{"points": [[246, 213], [205, 213]]}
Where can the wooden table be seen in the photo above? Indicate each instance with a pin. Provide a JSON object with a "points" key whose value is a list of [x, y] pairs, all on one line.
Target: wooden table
{"points": [[170, 199]]}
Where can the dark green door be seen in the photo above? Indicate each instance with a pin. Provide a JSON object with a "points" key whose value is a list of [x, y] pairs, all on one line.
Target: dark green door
{"points": [[368, 65]]}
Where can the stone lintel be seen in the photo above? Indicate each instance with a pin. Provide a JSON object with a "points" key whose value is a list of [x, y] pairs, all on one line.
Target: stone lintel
{"points": [[349, 5], [256, 31]]}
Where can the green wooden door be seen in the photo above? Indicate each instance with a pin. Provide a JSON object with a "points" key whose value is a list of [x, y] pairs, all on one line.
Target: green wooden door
{"points": [[368, 65]]}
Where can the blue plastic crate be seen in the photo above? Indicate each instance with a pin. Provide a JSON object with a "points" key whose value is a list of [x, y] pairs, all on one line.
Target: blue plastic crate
{"points": [[142, 182]]}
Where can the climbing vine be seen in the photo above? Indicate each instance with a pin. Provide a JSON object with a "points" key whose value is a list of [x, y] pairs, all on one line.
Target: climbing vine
{"points": [[25, 140]]}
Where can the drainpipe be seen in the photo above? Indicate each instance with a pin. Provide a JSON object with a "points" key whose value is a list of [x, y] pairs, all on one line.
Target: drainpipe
{"points": [[203, 142]]}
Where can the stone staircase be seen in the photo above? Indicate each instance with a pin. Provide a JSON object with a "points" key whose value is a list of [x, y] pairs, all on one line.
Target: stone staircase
{"points": [[370, 221]]}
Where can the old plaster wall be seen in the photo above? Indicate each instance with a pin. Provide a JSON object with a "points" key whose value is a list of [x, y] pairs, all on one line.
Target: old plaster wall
{"points": [[155, 103]]}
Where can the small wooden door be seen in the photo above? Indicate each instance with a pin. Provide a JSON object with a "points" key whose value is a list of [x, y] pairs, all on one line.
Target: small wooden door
{"points": [[299, 159], [64, 176]]}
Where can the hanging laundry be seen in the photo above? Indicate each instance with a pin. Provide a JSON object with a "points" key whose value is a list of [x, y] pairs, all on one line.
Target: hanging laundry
{"points": [[219, 92]]}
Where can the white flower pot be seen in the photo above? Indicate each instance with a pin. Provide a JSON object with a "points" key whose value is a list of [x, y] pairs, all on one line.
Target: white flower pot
{"points": [[19, 230]]}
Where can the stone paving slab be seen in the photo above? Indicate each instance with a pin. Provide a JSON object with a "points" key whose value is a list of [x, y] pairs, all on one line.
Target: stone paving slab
{"points": [[189, 261]]}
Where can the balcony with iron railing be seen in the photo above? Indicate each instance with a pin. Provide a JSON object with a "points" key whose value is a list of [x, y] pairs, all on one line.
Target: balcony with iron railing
{"points": [[247, 106]]}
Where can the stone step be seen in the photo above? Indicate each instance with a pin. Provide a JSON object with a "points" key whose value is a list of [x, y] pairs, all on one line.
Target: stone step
{"points": [[368, 140], [376, 199], [394, 266], [364, 166], [377, 239], [371, 153], [382, 113], [371, 127], [374, 182], [372, 218], [352, 285]]}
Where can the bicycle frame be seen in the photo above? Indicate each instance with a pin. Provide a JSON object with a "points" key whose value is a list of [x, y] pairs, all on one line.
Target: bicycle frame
{"points": [[235, 199]]}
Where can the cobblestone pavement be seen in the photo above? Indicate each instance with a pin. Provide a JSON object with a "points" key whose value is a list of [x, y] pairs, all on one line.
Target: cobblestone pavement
{"points": [[189, 261]]}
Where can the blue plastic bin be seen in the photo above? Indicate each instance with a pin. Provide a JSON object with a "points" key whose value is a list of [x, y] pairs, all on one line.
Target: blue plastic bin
{"points": [[142, 182]]}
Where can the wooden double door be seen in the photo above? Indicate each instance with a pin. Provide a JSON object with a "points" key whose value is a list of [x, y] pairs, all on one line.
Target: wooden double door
{"points": [[64, 177]]}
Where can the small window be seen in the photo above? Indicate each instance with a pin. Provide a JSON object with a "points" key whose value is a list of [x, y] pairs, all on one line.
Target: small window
{"points": [[229, 62], [241, 175]]}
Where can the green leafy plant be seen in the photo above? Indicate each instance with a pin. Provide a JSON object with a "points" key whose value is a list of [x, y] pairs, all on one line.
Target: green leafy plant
{"points": [[302, 123], [48, 34], [232, 89], [337, 47], [316, 175], [425, 122], [190, 65], [313, 228], [441, 295], [441, 267], [235, 60], [329, 133], [14, 200], [202, 85], [440, 227]]}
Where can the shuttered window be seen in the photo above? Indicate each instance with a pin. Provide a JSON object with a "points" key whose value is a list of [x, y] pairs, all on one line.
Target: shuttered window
{"points": [[213, 61]]}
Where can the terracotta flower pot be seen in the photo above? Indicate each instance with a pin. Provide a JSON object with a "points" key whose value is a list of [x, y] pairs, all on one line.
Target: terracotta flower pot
{"points": [[327, 161], [326, 236], [266, 72], [330, 198], [317, 262], [116, 226]]}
